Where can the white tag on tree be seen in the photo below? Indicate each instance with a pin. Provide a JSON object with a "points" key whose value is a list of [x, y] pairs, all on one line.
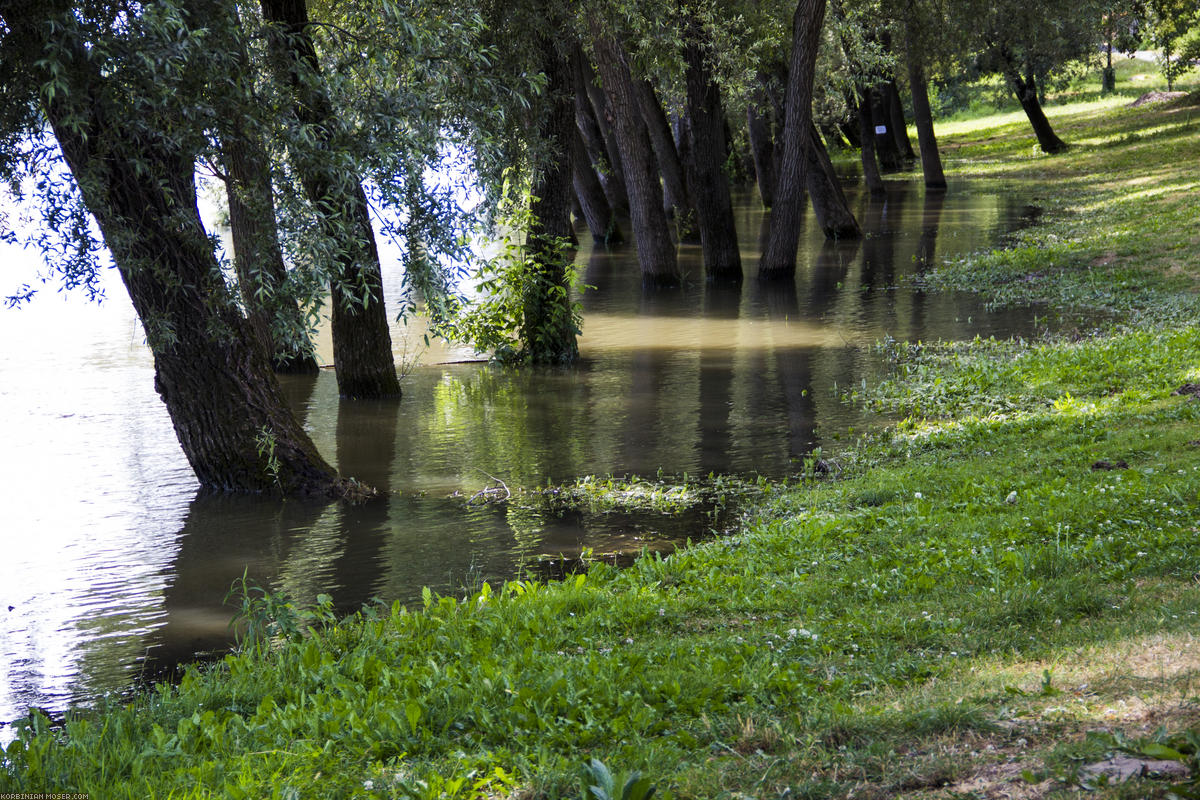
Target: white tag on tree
{"points": [[881, 129]]}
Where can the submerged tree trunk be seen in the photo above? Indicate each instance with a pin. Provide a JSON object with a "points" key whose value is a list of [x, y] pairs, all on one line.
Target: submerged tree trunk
{"points": [[211, 372], [590, 193], [779, 258], [870, 164], [651, 230], [676, 201], [931, 160], [602, 113], [362, 344], [548, 331], [886, 149], [899, 125], [710, 184], [762, 143], [1026, 91], [829, 201], [258, 260]]}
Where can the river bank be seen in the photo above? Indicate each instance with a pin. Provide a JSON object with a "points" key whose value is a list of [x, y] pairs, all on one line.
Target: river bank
{"points": [[968, 602]]}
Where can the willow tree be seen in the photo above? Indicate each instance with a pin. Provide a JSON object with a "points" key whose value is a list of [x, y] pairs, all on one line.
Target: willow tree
{"points": [[122, 95], [779, 257]]}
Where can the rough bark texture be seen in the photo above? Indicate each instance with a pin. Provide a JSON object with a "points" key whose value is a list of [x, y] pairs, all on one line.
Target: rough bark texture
{"points": [[762, 143], [610, 173], [931, 160], [825, 190], [1027, 95], [602, 113], [676, 201], [779, 259], [866, 128], [898, 123], [212, 374], [709, 182], [258, 259], [890, 158], [651, 230], [362, 344], [548, 330], [590, 194]]}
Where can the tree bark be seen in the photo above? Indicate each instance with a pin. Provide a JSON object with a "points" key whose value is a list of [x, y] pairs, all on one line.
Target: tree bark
{"points": [[866, 129], [257, 258], [762, 144], [829, 201], [676, 201], [211, 372], [886, 149], [709, 182], [592, 202], [594, 142], [603, 115], [548, 331], [651, 230], [1026, 91], [931, 160], [899, 125], [779, 259], [362, 344]]}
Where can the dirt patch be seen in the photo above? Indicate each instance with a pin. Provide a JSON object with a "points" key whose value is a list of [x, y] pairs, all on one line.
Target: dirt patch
{"points": [[1156, 97]]}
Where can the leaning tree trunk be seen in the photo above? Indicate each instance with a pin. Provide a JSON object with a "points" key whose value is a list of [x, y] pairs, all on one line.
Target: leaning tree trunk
{"points": [[931, 160], [362, 344], [870, 163], [610, 172], [590, 193], [548, 331], [211, 371], [709, 182], [602, 114], [825, 190], [762, 142], [651, 230], [1026, 91], [779, 258], [257, 258], [676, 201]]}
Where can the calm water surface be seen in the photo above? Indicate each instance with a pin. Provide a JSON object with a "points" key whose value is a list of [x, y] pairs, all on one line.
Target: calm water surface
{"points": [[112, 561]]}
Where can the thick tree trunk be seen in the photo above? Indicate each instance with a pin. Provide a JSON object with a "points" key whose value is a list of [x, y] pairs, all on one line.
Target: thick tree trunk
{"points": [[851, 129], [592, 202], [651, 230], [548, 331], [886, 149], [866, 129], [709, 182], [829, 201], [211, 371], [1026, 91], [676, 201], [779, 259], [362, 344], [602, 113], [899, 125], [258, 260], [594, 142], [931, 161], [762, 143]]}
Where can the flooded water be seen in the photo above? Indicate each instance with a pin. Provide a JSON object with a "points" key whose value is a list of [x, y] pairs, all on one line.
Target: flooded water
{"points": [[112, 561]]}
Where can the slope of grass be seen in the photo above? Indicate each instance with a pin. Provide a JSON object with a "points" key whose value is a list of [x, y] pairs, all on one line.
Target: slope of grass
{"points": [[947, 615]]}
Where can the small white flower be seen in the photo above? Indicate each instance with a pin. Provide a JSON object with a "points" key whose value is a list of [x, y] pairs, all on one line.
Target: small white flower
{"points": [[917, 495], [1012, 498], [368, 785]]}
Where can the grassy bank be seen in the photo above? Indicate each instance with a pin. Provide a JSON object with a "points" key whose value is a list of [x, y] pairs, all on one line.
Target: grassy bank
{"points": [[981, 602]]}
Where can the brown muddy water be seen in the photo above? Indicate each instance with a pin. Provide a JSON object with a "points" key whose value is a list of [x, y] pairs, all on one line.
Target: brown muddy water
{"points": [[112, 562]]}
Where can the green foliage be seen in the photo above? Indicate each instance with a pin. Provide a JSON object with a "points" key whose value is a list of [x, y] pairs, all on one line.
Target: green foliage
{"points": [[527, 308]]}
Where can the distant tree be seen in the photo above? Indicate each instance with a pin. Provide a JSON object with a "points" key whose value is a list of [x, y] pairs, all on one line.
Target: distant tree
{"points": [[1168, 22]]}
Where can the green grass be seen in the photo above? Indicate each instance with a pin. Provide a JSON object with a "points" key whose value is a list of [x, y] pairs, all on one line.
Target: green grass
{"points": [[947, 614]]}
